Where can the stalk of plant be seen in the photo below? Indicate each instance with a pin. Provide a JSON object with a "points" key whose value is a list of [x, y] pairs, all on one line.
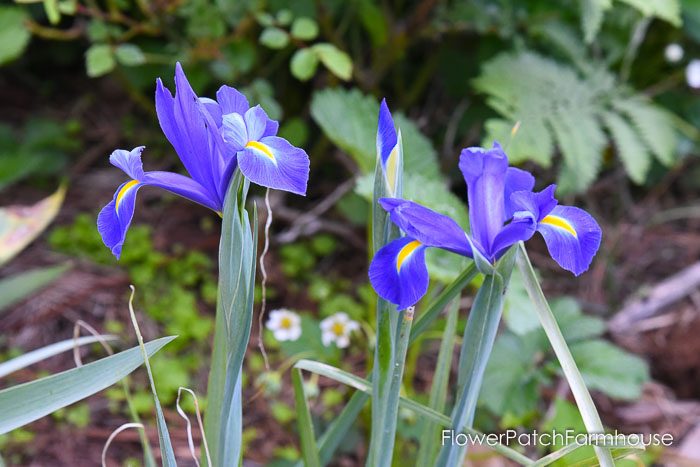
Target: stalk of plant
{"points": [[224, 144], [390, 353]]}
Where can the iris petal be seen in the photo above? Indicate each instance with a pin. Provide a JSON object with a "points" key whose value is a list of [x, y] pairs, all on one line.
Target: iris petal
{"points": [[398, 272], [572, 237], [427, 226], [516, 180], [182, 186], [485, 174], [539, 204], [256, 123], [386, 133], [114, 219], [231, 100], [128, 161], [274, 163], [234, 131]]}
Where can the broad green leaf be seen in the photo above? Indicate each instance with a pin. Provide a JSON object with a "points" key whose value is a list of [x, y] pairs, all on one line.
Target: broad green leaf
{"points": [[574, 325], [349, 119], [48, 351], [305, 29], [610, 369], [337, 61], [52, 11], [274, 38], [634, 155], [16, 288], [99, 60], [303, 64], [532, 141], [129, 55], [20, 225], [27, 402], [519, 313], [14, 36]]}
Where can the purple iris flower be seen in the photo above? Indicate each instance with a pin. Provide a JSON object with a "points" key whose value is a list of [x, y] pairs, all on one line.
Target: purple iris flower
{"points": [[503, 210], [212, 138]]}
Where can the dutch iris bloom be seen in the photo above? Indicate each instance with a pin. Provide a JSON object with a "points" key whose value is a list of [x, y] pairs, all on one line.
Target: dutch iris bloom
{"points": [[212, 138], [503, 210]]}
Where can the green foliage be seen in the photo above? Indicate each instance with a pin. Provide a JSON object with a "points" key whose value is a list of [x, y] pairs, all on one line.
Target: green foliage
{"points": [[522, 363], [99, 60], [560, 107], [14, 37], [593, 12]]}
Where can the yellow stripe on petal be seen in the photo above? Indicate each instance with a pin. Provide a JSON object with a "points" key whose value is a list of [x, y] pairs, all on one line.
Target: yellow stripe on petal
{"points": [[125, 189], [561, 223], [405, 252], [262, 148], [392, 163]]}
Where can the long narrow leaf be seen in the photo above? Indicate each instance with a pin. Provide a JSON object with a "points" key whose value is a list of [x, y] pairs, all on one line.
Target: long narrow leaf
{"points": [[479, 336], [166, 447], [15, 288], [43, 353], [363, 385], [309, 449], [549, 323], [27, 402], [438, 391]]}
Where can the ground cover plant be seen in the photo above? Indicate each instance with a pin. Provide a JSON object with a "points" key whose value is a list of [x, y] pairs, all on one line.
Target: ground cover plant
{"points": [[411, 222]]}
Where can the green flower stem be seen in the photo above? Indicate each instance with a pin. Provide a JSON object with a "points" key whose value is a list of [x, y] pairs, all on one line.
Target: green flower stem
{"points": [[578, 387], [477, 343]]}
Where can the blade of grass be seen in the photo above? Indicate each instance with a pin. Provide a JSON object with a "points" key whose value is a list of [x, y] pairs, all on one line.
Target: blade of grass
{"points": [[43, 353], [478, 340], [438, 391], [166, 447], [365, 386], [583, 398], [309, 449], [30, 401]]}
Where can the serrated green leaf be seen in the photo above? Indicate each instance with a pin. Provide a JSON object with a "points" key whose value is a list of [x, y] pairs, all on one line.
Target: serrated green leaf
{"points": [[27, 402], [274, 38], [99, 60], [633, 153], [592, 12], [305, 29], [653, 124], [337, 61], [610, 369], [14, 37], [129, 55], [303, 64], [349, 119]]}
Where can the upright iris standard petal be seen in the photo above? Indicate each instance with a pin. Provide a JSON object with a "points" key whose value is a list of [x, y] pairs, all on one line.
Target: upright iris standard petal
{"points": [[516, 180], [572, 237], [427, 226], [388, 147], [274, 163], [485, 174], [398, 272], [231, 101]]}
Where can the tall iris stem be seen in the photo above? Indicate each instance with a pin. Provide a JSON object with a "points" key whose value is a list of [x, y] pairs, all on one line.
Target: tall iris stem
{"points": [[477, 343], [590, 416]]}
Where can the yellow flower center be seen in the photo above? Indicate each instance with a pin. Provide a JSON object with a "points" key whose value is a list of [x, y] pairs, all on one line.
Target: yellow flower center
{"points": [[286, 323], [338, 329]]}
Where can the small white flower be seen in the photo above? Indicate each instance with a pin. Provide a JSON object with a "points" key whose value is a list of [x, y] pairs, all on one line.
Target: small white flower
{"points": [[673, 53], [692, 74], [337, 328], [284, 324]]}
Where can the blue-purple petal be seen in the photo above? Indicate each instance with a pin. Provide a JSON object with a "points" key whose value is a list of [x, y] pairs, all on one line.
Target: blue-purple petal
{"points": [[427, 226], [521, 228], [572, 237], [114, 219], [274, 163], [516, 180], [256, 122], [398, 272], [182, 186], [386, 133], [234, 131], [231, 101], [485, 173], [128, 161], [539, 204]]}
